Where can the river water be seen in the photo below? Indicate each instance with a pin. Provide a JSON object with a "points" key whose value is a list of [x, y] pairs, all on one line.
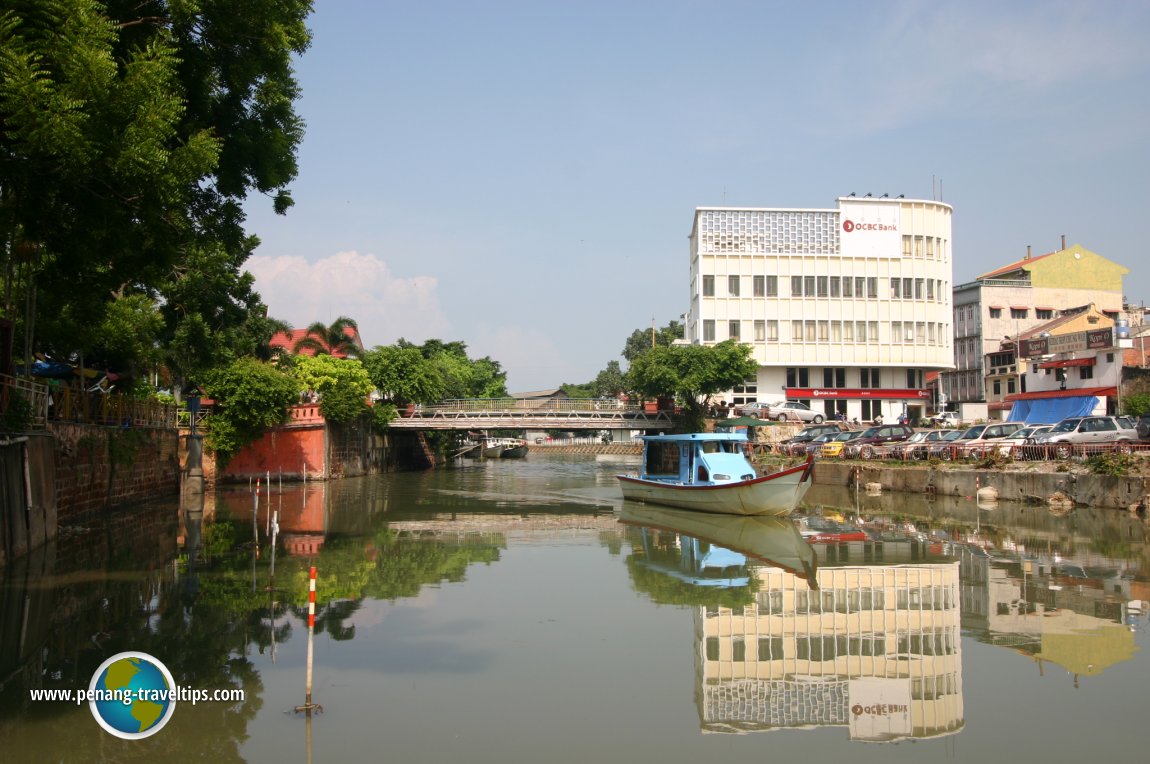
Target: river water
{"points": [[519, 611]]}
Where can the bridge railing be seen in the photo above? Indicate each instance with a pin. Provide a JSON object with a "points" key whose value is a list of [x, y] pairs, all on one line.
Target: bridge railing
{"points": [[527, 405]]}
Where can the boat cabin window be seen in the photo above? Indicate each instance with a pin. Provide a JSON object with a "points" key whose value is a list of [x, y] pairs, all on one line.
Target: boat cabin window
{"points": [[662, 458]]}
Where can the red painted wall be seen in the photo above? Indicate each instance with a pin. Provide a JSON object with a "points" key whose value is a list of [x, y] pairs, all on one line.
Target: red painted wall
{"points": [[290, 452]]}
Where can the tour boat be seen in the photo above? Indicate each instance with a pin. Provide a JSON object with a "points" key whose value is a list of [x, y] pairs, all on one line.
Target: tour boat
{"points": [[709, 472]]}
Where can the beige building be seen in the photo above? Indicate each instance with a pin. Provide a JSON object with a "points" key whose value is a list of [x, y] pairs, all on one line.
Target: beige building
{"points": [[1000, 305], [872, 647], [845, 309]]}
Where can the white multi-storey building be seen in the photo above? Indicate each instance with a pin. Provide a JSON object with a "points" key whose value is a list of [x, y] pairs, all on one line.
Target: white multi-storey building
{"points": [[846, 309]]}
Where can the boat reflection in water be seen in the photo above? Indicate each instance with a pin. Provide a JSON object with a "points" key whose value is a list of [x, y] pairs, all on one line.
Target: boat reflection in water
{"points": [[860, 634]]}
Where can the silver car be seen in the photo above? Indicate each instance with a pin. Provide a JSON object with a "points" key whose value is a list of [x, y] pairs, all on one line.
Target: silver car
{"points": [[1084, 434], [791, 410]]}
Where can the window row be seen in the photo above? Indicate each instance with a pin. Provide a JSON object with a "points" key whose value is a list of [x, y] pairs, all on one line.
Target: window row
{"points": [[924, 247], [866, 287], [1023, 313], [901, 332]]}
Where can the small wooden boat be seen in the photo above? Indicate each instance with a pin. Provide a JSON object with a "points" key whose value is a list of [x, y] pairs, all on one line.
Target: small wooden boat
{"points": [[709, 472]]}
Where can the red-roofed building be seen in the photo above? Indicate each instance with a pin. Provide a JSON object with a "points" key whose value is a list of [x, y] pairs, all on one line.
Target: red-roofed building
{"points": [[286, 341], [1006, 302]]}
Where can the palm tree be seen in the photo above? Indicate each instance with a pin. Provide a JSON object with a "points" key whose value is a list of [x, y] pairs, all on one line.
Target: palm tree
{"points": [[329, 340]]}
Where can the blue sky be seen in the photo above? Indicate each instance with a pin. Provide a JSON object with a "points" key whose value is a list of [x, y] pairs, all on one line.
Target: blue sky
{"points": [[522, 176]]}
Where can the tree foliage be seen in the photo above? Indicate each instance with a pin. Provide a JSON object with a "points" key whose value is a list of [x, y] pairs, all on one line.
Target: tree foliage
{"points": [[130, 133], [330, 339], [402, 375], [250, 398], [692, 373], [640, 340], [461, 376], [343, 385]]}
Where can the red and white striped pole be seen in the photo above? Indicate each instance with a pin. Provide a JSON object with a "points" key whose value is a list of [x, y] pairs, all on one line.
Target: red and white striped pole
{"points": [[310, 631]]}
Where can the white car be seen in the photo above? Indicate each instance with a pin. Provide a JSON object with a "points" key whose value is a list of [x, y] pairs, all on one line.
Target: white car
{"points": [[792, 410]]}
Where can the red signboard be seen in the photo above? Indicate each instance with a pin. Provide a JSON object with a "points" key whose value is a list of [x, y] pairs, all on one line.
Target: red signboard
{"points": [[874, 393]]}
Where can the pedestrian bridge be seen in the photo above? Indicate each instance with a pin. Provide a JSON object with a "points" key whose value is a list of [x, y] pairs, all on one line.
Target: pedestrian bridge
{"points": [[532, 414]]}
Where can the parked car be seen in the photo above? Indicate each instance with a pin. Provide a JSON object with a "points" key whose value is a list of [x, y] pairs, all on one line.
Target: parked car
{"points": [[904, 449], [836, 446], [1015, 445], [1085, 433], [867, 445], [815, 446], [941, 446], [757, 410], [980, 440], [1143, 427], [919, 447], [791, 410], [798, 443]]}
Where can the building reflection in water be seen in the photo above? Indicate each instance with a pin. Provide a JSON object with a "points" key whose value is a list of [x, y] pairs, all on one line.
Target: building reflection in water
{"points": [[859, 634]]}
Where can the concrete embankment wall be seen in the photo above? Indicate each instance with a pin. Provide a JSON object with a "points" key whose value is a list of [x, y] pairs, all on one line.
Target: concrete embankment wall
{"points": [[1035, 487]]}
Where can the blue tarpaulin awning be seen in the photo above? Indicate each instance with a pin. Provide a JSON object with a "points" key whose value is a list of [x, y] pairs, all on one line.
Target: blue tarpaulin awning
{"points": [[1052, 410]]}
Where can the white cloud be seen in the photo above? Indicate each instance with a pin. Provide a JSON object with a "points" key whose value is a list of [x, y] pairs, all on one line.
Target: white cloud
{"points": [[361, 287]]}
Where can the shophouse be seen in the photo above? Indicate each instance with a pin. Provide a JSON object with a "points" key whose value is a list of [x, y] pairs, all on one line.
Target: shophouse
{"points": [[1001, 305], [845, 309]]}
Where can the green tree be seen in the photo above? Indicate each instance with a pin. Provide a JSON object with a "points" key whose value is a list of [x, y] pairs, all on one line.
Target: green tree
{"points": [[402, 375], [131, 131], [463, 377], [640, 340], [343, 385], [251, 397], [330, 339], [692, 373], [610, 382]]}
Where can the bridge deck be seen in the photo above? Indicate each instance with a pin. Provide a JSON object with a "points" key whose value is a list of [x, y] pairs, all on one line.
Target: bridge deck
{"points": [[531, 414]]}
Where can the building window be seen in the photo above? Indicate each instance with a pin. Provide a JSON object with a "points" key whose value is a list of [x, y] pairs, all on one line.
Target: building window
{"points": [[809, 285], [997, 387], [1086, 372], [797, 331], [930, 289], [869, 378], [798, 377], [1009, 386], [733, 286], [872, 287], [996, 312], [772, 286], [733, 329], [759, 286], [1043, 313], [1018, 312], [905, 246], [860, 286], [708, 330], [895, 289], [810, 331], [760, 331], [796, 286], [848, 287], [772, 331], [834, 377], [824, 331], [822, 286], [836, 286], [708, 286]]}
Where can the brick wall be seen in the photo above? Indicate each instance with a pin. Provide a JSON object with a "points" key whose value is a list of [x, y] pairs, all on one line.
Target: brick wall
{"points": [[99, 467]]}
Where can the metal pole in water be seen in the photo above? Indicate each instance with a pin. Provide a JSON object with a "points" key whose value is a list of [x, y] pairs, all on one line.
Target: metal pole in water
{"points": [[308, 706]]}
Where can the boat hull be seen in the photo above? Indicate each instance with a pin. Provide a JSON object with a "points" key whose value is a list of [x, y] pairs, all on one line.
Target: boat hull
{"points": [[771, 540], [771, 495]]}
